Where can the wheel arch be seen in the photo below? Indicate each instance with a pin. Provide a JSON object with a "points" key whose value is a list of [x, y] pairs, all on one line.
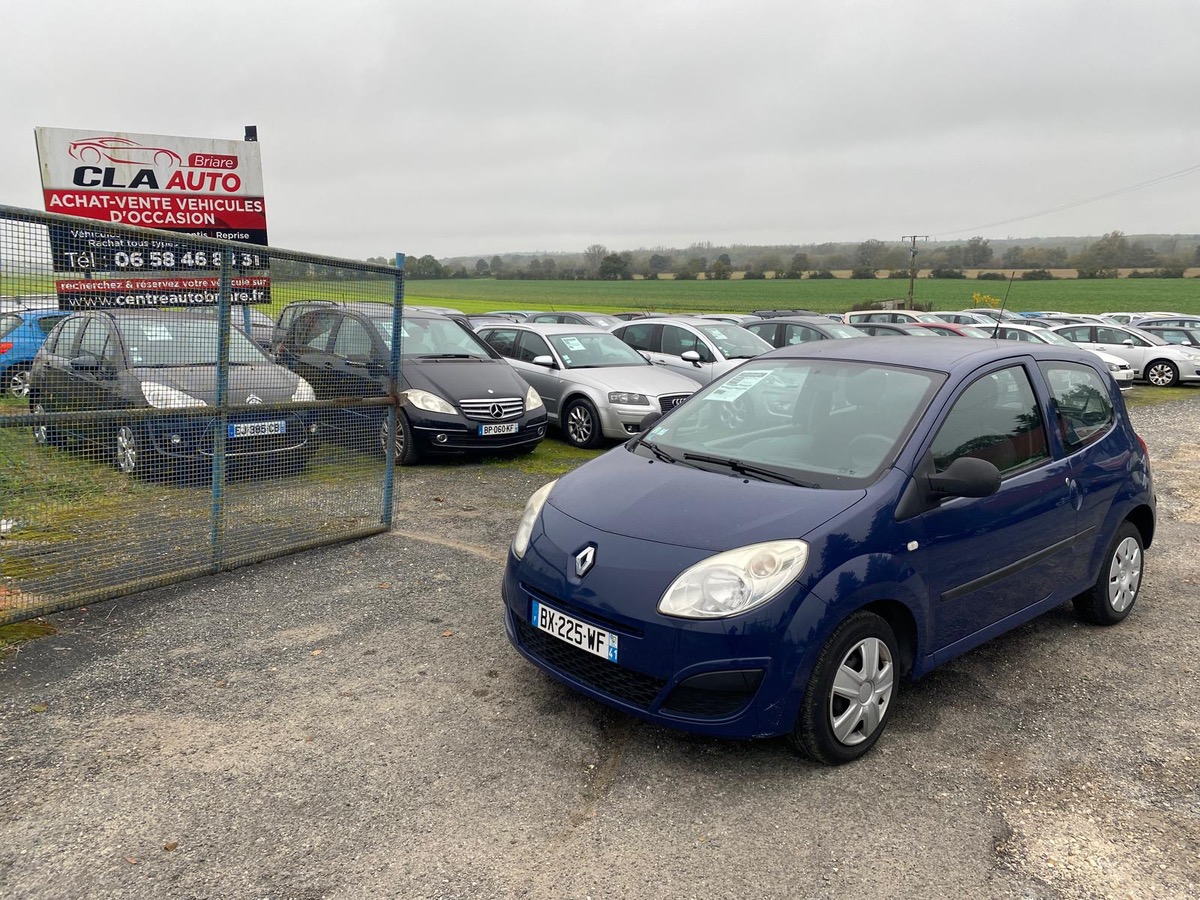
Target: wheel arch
{"points": [[1142, 518], [903, 624]]}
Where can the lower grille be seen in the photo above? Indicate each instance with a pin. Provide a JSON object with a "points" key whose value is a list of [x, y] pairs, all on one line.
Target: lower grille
{"points": [[608, 678]]}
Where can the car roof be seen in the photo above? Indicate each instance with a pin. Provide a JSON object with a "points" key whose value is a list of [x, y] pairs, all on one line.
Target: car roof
{"points": [[549, 328], [943, 356], [819, 321]]}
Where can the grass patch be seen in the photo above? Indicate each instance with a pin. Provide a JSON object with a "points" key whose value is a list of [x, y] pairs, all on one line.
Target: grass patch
{"points": [[1146, 395], [19, 632]]}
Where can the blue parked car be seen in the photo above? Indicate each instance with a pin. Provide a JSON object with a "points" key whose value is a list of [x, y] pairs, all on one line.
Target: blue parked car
{"points": [[22, 332], [872, 510]]}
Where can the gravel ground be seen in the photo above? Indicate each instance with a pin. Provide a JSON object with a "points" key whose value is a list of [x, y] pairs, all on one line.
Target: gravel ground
{"points": [[351, 723]]}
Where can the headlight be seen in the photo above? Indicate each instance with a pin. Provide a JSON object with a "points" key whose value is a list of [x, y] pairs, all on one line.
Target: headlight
{"points": [[532, 400], [162, 397], [628, 399], [303, 393], [525, 527], [734, 581], [429, 402], [1113, 367]]}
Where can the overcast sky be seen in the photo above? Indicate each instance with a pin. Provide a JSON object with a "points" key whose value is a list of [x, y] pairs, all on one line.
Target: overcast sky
{"points": [[457, 128]]}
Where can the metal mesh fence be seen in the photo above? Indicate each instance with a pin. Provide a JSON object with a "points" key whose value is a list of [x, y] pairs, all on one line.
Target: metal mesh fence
{"points": [[174, 406]]}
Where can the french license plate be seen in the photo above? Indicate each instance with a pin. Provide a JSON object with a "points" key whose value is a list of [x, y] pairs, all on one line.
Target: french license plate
{"points": [[506, 428], [579, 634], [256, 429]]}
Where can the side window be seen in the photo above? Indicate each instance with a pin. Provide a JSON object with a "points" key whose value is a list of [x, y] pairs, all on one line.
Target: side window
{"points": [[1082, 402], [47, 323], [800, 334], [547, 318], [764, 330], [1112, 336], [312, 329], [96, 341], [353, 341], [1080, 334], [530, 345], [639, 337], [996, 419], [65, 345], [503, 341]]}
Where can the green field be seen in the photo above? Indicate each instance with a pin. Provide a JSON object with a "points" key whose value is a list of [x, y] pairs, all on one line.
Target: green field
{"points": [[823, 295]]}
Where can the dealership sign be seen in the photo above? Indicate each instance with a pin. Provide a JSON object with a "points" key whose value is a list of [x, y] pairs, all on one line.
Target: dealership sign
{"points": [[190, 186]]}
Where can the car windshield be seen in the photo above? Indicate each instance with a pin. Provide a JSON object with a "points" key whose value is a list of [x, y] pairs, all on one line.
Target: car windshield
{"points": [[602, 321], [735, 342], [590, 350], [972, 331], [821, 423], [184, 341], [1051, 337], [1152, 338], [433, 337]]}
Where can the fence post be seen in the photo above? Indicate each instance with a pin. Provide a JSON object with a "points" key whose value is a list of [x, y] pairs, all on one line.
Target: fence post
{"points": [[389, 474], [221, 423]]}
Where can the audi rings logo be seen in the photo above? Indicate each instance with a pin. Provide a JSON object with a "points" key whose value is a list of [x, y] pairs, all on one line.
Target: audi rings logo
{"points": [[584, 560], [497, 411]]}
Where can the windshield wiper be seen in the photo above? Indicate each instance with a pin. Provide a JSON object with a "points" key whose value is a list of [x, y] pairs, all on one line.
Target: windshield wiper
{"points": [[447, 356], [658, 451], [748, 469]]}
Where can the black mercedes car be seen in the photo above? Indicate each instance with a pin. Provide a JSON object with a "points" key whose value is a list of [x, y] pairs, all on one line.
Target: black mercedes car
{"points": [[165, 359], [457, 393]]}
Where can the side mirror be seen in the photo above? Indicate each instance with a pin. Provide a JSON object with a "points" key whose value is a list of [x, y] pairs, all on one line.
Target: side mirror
{"points": [[545, 361], [691, 356], [966, 477], [648, 421]]}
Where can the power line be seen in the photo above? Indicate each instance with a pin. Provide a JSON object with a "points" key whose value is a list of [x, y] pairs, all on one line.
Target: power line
{"points": [[1074, 203]]}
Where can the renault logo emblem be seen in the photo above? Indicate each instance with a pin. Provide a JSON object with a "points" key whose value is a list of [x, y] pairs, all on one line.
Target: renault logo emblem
{"points": [[252, 398], [584, 560], [497, 411]]}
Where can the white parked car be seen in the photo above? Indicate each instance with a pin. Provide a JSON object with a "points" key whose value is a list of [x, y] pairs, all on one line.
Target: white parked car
{"points": [[1121, 371], [889, 316], [594, 386], [696, 348], [1152, 358]]}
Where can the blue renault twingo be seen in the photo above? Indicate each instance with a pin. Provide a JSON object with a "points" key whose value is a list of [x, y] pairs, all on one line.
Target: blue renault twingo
{"points": [[775, 555]]}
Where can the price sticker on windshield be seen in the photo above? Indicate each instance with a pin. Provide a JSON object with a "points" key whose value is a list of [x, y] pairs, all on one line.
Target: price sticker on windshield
{"points": [[737, 385]]}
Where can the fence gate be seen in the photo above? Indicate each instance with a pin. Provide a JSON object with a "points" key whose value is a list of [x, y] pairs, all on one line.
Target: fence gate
{"points": [[157, 436]]}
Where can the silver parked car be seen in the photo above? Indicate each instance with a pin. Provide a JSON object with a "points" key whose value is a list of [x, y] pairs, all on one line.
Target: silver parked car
{"points": [[594, 386], [1152, 358], [699, 349]]}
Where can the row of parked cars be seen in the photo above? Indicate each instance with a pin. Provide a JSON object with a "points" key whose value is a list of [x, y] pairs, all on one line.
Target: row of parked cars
{"points": [[489, 384]]}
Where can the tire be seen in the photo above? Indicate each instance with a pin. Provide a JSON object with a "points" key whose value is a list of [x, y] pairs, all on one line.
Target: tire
{"points": [[406, 447], [44, 435], [1111, 598], [18, 382], [851, 692], [1162, 373], [130, 453], [581, 425]]}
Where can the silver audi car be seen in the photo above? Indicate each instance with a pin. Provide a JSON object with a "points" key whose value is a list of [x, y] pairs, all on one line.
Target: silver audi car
{"points": [[594, 385]]}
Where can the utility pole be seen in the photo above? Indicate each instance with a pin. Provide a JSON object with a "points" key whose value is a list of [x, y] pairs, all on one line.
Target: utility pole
{"points": [[912, 262]]}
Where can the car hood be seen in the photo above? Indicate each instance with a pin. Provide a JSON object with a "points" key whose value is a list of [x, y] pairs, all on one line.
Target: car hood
{"points": [[464, 379], [651, 380], [1110, 359], [268, 382], [626, 494]]}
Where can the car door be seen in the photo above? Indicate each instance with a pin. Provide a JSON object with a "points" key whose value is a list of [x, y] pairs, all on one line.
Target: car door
{"points": [[645, 338], [546, 381], [55, 382], [1129, 347], [988, 558], [94, 370], [306, 350], [356, 369], [677, 340]]}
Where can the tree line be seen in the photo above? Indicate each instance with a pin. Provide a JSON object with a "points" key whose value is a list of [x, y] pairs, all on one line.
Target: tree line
{"points": [[1165, 256]]}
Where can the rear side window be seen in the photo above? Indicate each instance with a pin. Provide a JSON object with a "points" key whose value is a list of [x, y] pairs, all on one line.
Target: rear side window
{"points": [[996, 419], [353, 341], [1082, 403], [801, 334], [503, 341], [64, 343], [47, 323], [639, 337], [1081, 334], [313, 329], [9, 323]]}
